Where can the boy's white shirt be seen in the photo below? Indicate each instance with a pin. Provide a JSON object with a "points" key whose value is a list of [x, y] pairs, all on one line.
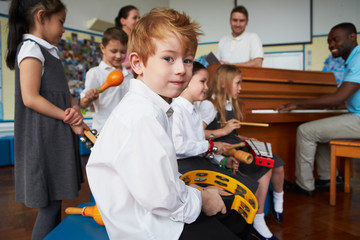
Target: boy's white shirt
{"points": [[133, 173], [110, 98], [188, 133]]}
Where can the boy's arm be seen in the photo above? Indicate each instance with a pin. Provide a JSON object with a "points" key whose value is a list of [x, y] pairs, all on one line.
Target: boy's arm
{"points": [[92, 82], [186, 147], [89, 97], [156, 186]]}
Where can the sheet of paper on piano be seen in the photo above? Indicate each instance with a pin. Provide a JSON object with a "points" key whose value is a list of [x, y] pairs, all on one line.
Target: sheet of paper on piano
{"points": [[270, 111]]}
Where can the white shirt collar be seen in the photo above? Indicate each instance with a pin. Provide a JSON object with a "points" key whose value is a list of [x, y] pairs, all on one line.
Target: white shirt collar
{"points": [[241, 36], [105, 66], [40, 41], [184, 102], [139, 87], [228, 106]]}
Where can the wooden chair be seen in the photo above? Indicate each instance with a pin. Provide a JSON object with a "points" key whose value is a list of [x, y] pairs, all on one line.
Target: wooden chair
{"points": [[342, 149]]}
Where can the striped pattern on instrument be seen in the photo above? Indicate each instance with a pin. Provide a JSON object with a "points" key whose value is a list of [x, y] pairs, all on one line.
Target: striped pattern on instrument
{"points": [[260, 148]]}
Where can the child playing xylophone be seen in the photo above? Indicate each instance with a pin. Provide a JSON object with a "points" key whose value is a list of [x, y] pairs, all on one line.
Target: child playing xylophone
{"points": [[222, 105]]}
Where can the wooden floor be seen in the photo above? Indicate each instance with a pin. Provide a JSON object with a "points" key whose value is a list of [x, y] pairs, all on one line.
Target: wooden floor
{"points": [[304, 217]]}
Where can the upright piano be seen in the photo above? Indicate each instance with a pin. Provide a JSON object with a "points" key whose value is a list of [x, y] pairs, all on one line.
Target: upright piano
{"points": [[263, 89]]}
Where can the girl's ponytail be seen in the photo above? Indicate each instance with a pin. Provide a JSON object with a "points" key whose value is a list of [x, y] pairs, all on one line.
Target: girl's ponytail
{"points": [[17, 27]]}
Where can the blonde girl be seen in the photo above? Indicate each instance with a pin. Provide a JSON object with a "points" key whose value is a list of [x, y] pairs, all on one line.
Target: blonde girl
{"points": [[222, 105]]}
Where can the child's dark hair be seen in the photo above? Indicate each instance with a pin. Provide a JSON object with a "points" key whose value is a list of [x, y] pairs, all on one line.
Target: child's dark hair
{"points": [[123, 13], [114, 33], [197, 66], [21, 19]]}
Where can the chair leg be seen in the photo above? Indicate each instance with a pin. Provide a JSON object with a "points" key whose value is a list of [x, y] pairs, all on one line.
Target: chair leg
{"points": [[333, 176], [347, 175]]}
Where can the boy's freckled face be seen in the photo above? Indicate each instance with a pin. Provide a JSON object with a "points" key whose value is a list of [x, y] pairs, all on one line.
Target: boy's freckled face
{"points": [[114, 53], [169, 70]]}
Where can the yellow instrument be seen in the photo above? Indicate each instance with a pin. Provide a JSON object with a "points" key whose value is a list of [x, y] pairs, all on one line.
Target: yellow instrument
{"points": [[245, 202]]}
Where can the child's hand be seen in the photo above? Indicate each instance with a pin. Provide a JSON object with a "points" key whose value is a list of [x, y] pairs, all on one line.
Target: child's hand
{"points": [[231, 125], [223, 192], [212, 202], [79, 129], [73, 116], [232, 163], [222, 147], [286, 107], [92, 94]]}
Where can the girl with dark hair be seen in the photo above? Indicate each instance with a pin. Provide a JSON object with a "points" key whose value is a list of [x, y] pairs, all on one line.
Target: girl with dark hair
{"points": [[126, 19], [47, 160]]}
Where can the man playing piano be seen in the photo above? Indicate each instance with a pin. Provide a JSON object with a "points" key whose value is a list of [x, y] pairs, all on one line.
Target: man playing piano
{"points": [[313, 137]]}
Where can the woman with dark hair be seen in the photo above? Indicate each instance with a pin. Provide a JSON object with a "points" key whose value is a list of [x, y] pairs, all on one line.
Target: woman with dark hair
{"points": [[126, 19]]}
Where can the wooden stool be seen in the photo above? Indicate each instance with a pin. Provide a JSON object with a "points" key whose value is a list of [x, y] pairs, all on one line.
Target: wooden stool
{"points": [[347, 149]]}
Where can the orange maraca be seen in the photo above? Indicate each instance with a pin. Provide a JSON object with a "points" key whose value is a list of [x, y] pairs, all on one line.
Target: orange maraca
{"points": [[89, 211], [115, 78]]}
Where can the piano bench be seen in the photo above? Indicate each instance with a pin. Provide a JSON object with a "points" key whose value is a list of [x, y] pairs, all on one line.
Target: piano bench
{"points": [[342, 149]]}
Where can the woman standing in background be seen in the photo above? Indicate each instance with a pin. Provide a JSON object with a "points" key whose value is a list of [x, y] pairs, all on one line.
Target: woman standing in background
{"points": [[126, 19]]}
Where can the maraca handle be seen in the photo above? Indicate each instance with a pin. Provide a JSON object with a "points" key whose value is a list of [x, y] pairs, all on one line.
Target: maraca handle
{"points": [[100, 90], [85, 99], [74, 210]]}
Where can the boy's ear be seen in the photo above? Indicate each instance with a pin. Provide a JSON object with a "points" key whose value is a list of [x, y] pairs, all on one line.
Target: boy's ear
{"points": [[136, 63], [102, 48]]}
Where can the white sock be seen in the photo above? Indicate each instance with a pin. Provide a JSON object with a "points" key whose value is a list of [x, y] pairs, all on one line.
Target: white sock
{"points": [[260, 225], [278, 201]]}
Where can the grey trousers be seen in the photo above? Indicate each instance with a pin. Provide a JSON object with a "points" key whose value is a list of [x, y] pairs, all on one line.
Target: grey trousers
{"points": [[312, 142]]}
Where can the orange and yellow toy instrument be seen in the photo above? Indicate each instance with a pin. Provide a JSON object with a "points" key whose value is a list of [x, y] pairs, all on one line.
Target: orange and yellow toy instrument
{"points": [[89, 211]]}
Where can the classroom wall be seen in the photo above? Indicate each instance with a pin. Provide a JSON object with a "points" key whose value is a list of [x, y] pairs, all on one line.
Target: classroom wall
{"points": [[326, 13]]}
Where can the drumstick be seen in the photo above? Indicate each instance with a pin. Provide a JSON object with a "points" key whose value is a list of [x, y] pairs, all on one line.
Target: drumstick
{"points": [[249, 124], [240, 144], [115, 78]]}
